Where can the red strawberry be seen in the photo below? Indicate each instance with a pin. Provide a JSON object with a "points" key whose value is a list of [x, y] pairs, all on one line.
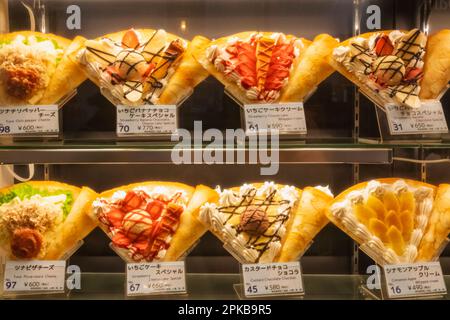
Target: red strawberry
{"points": [[143, 195], [132, 201], [149, 69], [115, 77], [155, 208], [232, 50], [383, 46], [142, 245], [130, 39], [120, 240], [414, 74], [115, 217], [111, 69]]}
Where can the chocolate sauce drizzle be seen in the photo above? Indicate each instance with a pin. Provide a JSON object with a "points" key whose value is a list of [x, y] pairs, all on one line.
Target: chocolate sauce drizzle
{"points": [[408, 89], [362, 52], [249, 199], [99, 53], [404, 51], [169, 56], [394, 65], [136, 86]]}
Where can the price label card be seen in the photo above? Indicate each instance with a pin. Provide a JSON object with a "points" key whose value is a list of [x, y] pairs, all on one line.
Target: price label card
{"points": [[27, 276], [284, 117], [270, 279], [156, 278], [146, 120], [429, 118], [415, 279], [28, 120]]}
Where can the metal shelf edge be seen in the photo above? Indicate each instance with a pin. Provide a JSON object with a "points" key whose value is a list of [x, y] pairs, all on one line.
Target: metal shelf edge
{"points": [[141, 155]]}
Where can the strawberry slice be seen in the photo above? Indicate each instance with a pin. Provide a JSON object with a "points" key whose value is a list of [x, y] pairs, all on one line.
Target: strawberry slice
{"points": [[155, 208], [149, 70], [111, 69], [280, 64], [232, 50], [130, 39], [142, 245], [132, 201], [414, 74], [383, 46], [115, 217], [246, 64], [115, 77], [120, 240]]}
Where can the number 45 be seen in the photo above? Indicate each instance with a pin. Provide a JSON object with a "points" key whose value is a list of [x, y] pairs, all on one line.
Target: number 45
{"points": [[252, 289]]}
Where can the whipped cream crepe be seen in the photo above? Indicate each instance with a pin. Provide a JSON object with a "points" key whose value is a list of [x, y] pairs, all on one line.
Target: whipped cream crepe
{"points": [[143, 66], [268, 67], [266, 222], [43, 220], [152, 221], [394, 220], [399, 67], [35, 68]]}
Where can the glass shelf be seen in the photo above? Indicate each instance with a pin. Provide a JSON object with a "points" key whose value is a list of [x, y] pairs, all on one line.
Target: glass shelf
{"points": [[104, 148], [109, 286]]}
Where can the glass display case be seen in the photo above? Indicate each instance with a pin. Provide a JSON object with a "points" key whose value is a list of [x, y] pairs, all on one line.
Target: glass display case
{"points": [[343, 135]]}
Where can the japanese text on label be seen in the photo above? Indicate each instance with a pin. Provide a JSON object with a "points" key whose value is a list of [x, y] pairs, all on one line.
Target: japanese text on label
{"points": [[284, 117], [272, 279], [146, 120], [429, 118], [416, 279], [155, 278], [27, 120], [34, 276]]}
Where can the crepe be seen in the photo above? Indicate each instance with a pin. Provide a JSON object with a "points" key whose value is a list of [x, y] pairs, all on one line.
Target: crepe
{"points": [[267, 67], [151, 221], [43, 220], [142, 66], [387, 217], [387, 66], [436, 72], [438, 228], [188, 75], [35, 68], [312, 69], [266, 222]]}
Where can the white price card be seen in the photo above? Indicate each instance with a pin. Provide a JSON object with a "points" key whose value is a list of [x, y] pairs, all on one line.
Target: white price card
{"points": [[271, 279], [156, 278], [415, 279], [283, 117], [28, 120], [146, 120], [24, 276], [429, 118]]}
